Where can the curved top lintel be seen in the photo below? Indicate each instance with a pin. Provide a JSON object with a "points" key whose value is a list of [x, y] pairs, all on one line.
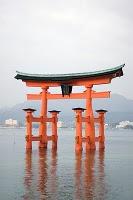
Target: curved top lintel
{"points": [[112, 73]]}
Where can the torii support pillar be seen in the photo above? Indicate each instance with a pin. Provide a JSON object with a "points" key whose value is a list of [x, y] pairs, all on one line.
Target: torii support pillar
{"points": [[54, 114], [78, 138], [101, 128], [28, 136]]}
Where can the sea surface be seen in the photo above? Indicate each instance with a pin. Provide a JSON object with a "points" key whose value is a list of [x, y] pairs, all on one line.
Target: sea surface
{"points": [[64, 175]]}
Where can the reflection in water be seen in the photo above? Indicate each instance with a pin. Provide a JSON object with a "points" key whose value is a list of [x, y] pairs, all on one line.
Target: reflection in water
{"points": [[47, 174], [89, 176], [101, 176], [41, 180], [42, 173], [65, 176], [78, 175], [53, 169], [28, 175]]}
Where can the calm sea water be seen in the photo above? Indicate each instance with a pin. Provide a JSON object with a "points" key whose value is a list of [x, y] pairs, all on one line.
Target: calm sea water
{"points": [[63, 175]]}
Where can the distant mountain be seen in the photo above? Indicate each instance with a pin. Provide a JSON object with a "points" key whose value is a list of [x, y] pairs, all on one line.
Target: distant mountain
{"points": [[119, 108]]}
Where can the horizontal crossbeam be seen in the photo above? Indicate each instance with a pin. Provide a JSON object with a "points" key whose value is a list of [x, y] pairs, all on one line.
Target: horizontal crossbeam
{"points": [[43, 120], [36, 138], [71, 96], [97, 120]]}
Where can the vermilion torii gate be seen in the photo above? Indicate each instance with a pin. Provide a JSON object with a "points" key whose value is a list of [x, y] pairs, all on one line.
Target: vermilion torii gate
{"points": [[66, 82]]}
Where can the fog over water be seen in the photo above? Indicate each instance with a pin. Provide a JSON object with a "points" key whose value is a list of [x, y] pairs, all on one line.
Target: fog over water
{"points": [[40, 36]]}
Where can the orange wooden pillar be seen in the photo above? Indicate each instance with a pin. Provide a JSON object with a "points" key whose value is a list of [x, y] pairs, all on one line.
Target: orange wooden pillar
{"points": [[28, 136], [89, 125], [54, 114], [43, 123], [101, 128], [78, 138]]}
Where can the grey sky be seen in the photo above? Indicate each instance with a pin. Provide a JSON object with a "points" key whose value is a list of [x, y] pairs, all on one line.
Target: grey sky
{"points": [[56, 36]]}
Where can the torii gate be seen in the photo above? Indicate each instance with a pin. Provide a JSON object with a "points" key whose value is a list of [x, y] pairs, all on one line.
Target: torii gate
{"points": [[66, 82]]}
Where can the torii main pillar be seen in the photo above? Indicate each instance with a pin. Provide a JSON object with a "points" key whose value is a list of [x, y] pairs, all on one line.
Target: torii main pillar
{"points": [[43, 114], [89, 126]]}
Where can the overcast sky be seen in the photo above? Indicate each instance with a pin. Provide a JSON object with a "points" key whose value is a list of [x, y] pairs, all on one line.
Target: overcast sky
{"points": [[56, 36]]}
